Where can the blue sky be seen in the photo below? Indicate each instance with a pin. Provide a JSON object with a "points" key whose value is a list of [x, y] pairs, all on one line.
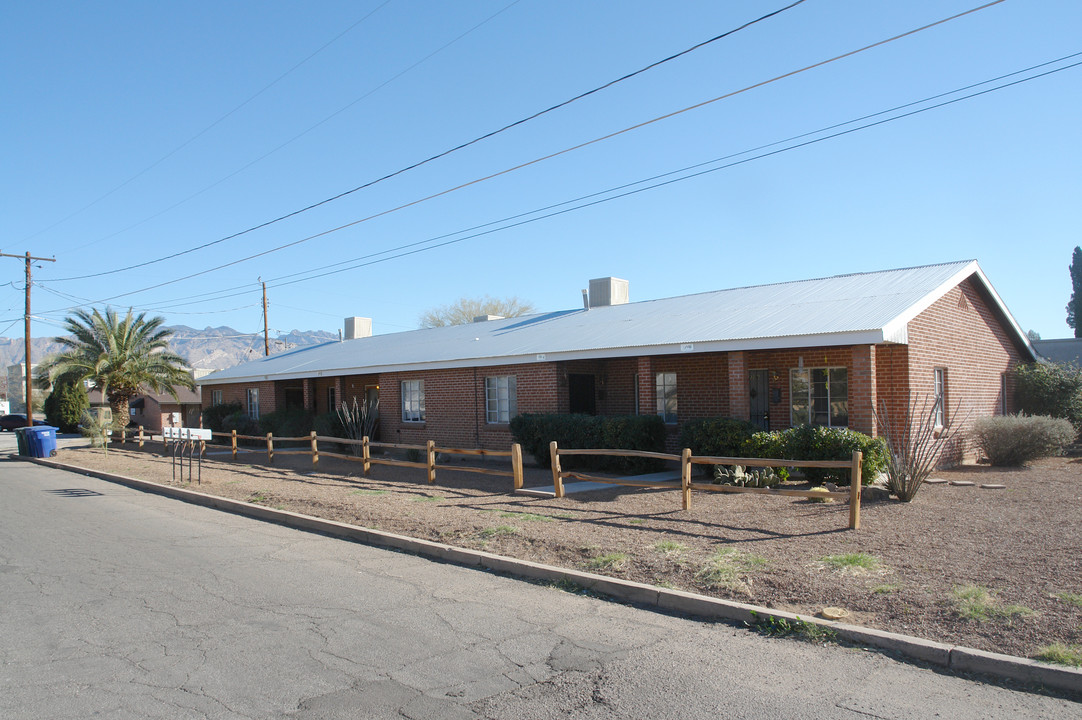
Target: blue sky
{"points": [[136, 130]]}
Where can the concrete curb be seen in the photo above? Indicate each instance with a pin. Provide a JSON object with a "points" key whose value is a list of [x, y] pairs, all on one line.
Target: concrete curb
{"points": [[956, 658]]}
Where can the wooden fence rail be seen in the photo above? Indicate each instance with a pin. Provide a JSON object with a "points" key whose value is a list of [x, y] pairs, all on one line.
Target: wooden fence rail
{"points": [[429, 450], [687, 460]]}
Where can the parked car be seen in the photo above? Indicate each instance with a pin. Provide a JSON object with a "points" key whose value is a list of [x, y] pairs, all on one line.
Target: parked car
{"points": [[10, 422]]}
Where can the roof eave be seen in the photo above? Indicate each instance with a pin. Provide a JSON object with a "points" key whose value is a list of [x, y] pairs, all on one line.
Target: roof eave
{"points": [[857, 337]]}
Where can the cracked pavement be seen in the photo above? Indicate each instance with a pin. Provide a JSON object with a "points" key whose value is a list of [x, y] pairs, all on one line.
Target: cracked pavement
{"points": [[130, 605]]}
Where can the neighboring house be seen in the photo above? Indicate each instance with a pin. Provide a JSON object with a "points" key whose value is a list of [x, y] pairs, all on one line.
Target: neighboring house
{"points": [[1067, 351], [155, 411], [822, 351], [17, 386], [99, 406]]}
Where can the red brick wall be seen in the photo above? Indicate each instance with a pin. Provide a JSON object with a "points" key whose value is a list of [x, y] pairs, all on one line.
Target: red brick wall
{"points": [[238, 393], [455, 404], [777, 363], [961, 333]]}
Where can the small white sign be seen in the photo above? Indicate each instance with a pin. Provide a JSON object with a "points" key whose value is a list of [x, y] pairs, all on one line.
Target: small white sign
{"points": [[541, 357], [183, 433], [687, 347]]}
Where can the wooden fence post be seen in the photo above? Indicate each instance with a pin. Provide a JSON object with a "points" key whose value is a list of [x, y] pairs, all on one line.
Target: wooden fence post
{"points": [[854, 492], [366, 455], [431, 447], [270, 448], [516, 464], [315, 449], [685, 477], [140, 436], [557, 481], [234, 438]]}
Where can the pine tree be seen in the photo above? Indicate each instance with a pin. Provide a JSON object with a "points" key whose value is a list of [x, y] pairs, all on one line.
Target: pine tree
{"points": [[65, 405], [1074, 305]]}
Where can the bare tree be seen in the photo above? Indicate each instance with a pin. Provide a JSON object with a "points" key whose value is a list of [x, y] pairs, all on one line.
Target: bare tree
{"points": [[464, 310]]}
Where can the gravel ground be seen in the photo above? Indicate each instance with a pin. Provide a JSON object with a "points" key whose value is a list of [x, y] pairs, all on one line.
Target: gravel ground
{"points": [[1021, 544]]}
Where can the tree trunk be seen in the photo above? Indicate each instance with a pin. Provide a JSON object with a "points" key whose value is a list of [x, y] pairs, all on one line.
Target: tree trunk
{"points": [[121, 410]]}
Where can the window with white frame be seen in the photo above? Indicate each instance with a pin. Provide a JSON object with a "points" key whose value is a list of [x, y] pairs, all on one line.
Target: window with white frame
{"points": [[819, 396], [665, 385], [215, 397], [1003, 394], [413, 400], [253, 403], [501, 399], [940, 394]]}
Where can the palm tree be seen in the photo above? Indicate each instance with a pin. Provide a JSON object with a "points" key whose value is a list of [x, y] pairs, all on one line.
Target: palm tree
{"points": [[122, 357]]}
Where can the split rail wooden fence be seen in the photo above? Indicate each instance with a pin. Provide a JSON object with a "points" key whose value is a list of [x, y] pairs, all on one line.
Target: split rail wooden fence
{"points": [[368, 460], [687, 461]]}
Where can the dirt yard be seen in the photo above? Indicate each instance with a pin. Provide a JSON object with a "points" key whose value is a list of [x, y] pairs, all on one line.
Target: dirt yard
{"points": [[909, 569]]}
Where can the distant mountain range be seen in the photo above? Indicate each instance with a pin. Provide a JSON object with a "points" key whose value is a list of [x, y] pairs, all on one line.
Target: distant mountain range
{"points": [[210, 348]]}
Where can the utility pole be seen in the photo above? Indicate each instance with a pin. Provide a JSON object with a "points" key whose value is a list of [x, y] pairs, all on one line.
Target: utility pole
{"points": [[266, 334], [26, 338]]}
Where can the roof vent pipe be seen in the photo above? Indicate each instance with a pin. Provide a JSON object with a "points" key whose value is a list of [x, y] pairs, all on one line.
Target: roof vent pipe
{"points": [[585, 299]]}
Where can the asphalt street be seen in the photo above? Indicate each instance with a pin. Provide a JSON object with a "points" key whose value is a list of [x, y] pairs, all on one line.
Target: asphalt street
{"points": [[120, 604]]}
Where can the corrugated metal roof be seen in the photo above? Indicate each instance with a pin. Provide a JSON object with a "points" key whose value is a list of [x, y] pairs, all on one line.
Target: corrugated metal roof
{"points": [[1065, 350], [859, 308]]}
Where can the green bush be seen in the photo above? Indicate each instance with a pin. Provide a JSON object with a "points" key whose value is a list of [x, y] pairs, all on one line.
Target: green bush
{"points": [[329, 425], [1018, 439], [286, 423], [65, 406], [815, 442], [243, 424], [765, 445], [214, 416], [1052, 389], [630, 432], [718, 437]]}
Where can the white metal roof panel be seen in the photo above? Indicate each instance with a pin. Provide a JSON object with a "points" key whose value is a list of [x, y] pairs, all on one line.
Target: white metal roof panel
{"points": [[859, 308]]}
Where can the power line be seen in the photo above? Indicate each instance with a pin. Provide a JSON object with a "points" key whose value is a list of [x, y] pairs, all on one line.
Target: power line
{"points": [[559, 153], [445, 153], [345, 266], [207, 129], [296, 137]]}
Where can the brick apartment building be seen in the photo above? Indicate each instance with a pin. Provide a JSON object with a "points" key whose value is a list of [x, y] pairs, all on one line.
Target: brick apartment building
{"points": [[824, 351]]}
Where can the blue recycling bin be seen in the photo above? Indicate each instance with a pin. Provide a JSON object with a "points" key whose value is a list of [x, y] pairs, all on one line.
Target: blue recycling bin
{"points": [[41, 441]]}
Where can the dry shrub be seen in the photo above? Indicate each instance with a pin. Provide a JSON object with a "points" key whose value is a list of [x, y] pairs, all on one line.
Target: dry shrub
{"points": [[1018, 439]]}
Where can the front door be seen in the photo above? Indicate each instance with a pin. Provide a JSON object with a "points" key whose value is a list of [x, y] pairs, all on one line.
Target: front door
{"points": [[580, 390], [293, 398], [760, 401]]}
